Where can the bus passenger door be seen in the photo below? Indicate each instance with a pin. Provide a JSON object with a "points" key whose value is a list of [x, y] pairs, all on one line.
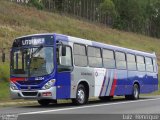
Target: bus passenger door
{"points": [[64, 69]]}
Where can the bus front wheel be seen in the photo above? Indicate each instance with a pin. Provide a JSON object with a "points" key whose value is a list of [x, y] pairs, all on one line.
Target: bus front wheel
{"points": [[81, 95]]}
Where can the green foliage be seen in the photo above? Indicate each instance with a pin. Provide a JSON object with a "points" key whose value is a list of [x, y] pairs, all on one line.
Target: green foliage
{"points": [[153, 10], [108, 8], [129, 14], [4, 72], [36, 3], [139, 16], [4, 91]]}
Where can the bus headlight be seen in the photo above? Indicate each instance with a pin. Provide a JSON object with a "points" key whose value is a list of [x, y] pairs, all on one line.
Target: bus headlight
{"points": [[13, 86], [48, 84]]}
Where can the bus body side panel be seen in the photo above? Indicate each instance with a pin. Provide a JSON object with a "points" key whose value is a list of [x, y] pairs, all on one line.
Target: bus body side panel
{"points": [[103, 81], [155, 76], [132, 78], [109, 83], [82, 74], [150, 83], [141, 78], [121, 82]]}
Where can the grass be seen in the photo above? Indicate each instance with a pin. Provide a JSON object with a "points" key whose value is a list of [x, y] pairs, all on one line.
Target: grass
{"points": [[4, 91], [4, 71], [17, 20]]}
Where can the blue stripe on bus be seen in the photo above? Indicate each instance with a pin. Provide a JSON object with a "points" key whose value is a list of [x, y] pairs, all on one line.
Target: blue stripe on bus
{"points": [[102, 87], [109, 78]]}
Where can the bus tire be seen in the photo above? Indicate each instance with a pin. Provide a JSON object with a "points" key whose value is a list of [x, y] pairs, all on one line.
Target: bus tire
{"points": [[81, 95], [44, 102], [106, 98], [135, 93]]}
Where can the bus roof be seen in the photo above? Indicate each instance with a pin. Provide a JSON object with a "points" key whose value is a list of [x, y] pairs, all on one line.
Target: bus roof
{"points": [[35, 35]]}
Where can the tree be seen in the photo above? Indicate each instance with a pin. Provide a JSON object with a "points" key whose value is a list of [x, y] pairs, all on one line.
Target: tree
{"points": [[36, 3], [130, 15], [140, 16], [107, 9]]}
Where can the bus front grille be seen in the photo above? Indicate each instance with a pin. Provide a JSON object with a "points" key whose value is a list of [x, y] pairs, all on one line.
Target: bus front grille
{"points": [[29, 93]]}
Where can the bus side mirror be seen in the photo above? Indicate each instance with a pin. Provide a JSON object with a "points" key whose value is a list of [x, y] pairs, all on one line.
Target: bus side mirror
{"points": [[3, 57], [63, 50]]}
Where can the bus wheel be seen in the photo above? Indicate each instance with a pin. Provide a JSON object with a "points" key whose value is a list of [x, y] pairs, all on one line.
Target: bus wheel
{"points": [[44, 102], [81, 95], [135, 93], [106, 98]]}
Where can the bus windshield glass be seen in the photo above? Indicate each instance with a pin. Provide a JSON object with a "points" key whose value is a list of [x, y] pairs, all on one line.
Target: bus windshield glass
{"points": [[32, 62]]}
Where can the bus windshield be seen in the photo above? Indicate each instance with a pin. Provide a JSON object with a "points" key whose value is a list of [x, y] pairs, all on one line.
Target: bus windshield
{"points": [[32, 62]]}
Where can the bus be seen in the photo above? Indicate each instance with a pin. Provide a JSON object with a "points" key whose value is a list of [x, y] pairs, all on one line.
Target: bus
{"points": [[48, 67]]}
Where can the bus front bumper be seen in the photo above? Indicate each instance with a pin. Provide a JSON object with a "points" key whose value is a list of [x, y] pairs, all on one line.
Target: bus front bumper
{"points": [[34, 94]]}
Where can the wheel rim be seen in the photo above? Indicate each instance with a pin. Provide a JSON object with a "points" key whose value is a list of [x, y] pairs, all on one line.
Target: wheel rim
{"points": [[80, 96], [136, 92]]}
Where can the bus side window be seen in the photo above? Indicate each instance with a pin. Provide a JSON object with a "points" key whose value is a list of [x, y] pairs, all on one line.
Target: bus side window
{"points": [[65, 62], [154, 65], [149, 64], [108, 59], [121, 60], [131, 62], [94, 57], [140, 63], [80, 55]]}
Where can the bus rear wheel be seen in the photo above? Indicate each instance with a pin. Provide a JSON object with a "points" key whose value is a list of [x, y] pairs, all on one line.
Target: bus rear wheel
{"points": [[44, 102], [81, 95], [135, 93]]}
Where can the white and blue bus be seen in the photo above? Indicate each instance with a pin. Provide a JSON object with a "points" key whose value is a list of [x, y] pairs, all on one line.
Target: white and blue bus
{"points": [[47, 67]]}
